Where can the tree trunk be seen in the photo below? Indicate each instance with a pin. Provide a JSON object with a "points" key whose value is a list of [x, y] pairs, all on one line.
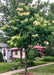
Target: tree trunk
{"points": [[21, 56], [25, 63]]}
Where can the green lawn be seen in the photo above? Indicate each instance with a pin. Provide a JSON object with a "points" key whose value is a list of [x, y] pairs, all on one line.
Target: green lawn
{"points": [[46, 70], [4, 67]]}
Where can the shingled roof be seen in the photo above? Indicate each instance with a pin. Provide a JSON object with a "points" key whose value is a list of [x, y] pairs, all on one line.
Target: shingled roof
{"points": [[3, 44]]}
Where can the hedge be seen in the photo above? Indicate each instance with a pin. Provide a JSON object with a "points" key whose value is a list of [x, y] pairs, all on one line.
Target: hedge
{"points": [[48, 58]]}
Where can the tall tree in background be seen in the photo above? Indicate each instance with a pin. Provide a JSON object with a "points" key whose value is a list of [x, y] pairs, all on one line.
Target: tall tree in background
{"points": [[9, 10], [52, 7]]}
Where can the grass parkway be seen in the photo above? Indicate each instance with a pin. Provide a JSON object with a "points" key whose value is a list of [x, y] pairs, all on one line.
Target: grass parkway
{"points": [[21, 70]]}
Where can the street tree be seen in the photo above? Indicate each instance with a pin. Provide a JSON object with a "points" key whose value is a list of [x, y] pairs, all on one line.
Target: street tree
{"points": [[27, 28]]}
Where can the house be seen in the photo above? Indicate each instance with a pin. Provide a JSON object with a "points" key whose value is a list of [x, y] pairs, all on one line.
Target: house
{"points": [[10, 53], [16, 52], [39, 48], [5, 50]]}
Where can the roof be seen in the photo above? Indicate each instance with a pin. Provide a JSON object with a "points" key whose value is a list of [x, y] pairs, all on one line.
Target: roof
{"points": [[15, 48], [40, 49], [3, 44], [36, 46]]}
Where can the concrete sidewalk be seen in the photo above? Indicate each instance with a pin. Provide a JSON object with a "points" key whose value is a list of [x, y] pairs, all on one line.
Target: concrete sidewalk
{"points": [[20, 70]]}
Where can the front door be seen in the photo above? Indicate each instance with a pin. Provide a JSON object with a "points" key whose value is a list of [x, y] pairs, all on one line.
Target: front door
{"points": [[4, 53]]}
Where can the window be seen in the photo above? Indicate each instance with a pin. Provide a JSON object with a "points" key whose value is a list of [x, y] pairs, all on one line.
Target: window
{"points": [[16, 52]]}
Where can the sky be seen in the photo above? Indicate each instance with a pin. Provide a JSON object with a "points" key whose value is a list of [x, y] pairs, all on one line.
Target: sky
{"points": [[51, 1]]}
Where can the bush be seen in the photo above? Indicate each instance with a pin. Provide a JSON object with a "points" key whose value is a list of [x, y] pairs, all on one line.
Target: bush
{"points": [[16, 59], [48, 58], [38, 59], [31, 54], [30, 63], [39, 62], [38, 54], [19, 68], [49, 51], [1, 57]]}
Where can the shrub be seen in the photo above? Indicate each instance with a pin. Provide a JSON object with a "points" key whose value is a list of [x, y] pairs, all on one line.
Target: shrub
{"points": [[30, 63], [39, 62], [49, 51], [38, 54], [19, 67], [38, 59], [23, 60], [48, 58], [16, 59], [1, 57], [31, 54]]}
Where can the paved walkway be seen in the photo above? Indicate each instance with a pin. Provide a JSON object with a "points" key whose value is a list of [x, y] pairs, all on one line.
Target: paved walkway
{"points": [[20, 70]]}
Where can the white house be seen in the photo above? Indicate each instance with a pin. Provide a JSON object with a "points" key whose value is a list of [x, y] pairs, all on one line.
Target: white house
{"points": [[5, 51], [10, 53]]}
